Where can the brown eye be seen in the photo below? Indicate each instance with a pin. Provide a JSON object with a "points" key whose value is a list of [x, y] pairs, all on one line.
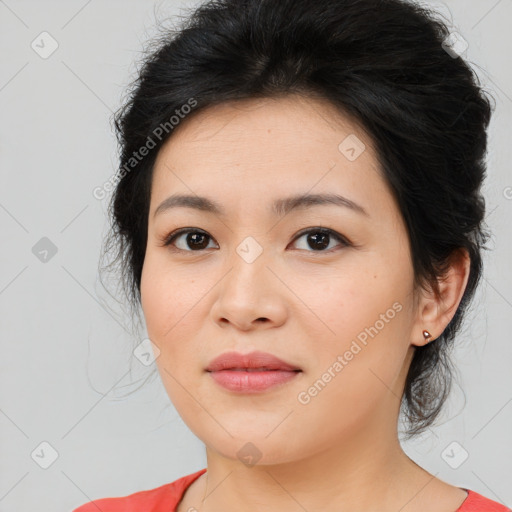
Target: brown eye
{"points": [[195, 240], [190, 240], [320, 239]]}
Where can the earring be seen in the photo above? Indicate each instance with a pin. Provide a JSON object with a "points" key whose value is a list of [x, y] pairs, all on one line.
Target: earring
{"points": [[427, 335]]}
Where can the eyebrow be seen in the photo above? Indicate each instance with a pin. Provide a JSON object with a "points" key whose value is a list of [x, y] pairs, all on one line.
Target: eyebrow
{"points": [[279, 206]]}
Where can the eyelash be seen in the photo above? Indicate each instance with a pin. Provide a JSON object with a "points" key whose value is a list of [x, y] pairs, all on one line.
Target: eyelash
{"points": [[168, 240]]}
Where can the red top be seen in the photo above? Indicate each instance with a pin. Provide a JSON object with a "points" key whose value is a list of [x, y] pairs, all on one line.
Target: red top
{"points": [[166, 497]]}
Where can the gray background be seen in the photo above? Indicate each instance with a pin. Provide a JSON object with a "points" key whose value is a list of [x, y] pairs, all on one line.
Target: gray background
{"points": [[66, 361]]}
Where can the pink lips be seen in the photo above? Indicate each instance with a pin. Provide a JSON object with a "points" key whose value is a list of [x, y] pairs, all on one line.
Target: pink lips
{"points": [[250, 373]]}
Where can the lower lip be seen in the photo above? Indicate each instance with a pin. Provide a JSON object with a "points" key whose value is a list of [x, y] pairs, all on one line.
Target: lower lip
{"points": [[252, 382]]}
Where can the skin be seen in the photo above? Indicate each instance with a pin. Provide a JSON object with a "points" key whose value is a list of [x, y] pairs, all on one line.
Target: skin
{"points": [[340, 451]]}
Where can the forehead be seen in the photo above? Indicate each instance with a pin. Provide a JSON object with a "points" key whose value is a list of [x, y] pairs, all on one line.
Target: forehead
{"points": [[273, 146]]}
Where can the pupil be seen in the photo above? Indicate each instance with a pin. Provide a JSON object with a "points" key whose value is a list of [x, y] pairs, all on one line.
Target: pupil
{"points": [[192, 239], [324, 237]]}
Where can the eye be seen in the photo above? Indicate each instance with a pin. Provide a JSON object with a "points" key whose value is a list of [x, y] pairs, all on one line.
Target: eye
{"points": [[321, 238], [195, 239]]}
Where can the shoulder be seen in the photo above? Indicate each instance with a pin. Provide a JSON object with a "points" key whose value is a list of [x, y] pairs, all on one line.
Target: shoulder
{"points": [[160, 499], [477, 503]]}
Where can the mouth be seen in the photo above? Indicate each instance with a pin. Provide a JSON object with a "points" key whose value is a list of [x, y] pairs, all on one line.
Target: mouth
{"points": [[252, 380], [251, 373], [253, 361], [257, 370]]}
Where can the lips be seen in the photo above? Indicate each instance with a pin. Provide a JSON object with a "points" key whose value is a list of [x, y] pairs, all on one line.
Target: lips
{"points": [[251, 362], [256, 372]]}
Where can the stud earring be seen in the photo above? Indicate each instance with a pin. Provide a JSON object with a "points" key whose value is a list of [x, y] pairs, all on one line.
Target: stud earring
{"points": [[427, 335]]}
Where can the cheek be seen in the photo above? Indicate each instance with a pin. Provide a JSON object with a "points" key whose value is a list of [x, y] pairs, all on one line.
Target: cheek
{"points": [[167, 297], [344, 304], [174, 302], [364, 321], [358, 370], [158, 299], [167, 304]]}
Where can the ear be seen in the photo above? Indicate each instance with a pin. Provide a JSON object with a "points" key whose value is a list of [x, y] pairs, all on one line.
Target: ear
{"points": [[435, 313]]}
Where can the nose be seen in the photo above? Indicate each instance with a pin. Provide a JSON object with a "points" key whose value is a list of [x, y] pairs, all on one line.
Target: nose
{"points": [[250, 297]]}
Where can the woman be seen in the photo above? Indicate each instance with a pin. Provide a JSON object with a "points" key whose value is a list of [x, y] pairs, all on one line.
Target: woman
{"points": [[298, 213]]}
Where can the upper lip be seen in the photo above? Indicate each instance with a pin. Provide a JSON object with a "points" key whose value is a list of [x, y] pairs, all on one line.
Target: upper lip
{"points": [[257, 359]]}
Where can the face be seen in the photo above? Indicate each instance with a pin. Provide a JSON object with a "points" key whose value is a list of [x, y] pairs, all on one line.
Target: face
{"points": [[325, 286]]}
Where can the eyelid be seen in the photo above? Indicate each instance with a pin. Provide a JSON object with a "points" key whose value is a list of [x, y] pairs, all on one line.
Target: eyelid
{"points": [[167, 240], [319, 229]]}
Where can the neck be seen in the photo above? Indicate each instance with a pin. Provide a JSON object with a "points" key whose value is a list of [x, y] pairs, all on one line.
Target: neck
{"points": [[368, 471]]}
